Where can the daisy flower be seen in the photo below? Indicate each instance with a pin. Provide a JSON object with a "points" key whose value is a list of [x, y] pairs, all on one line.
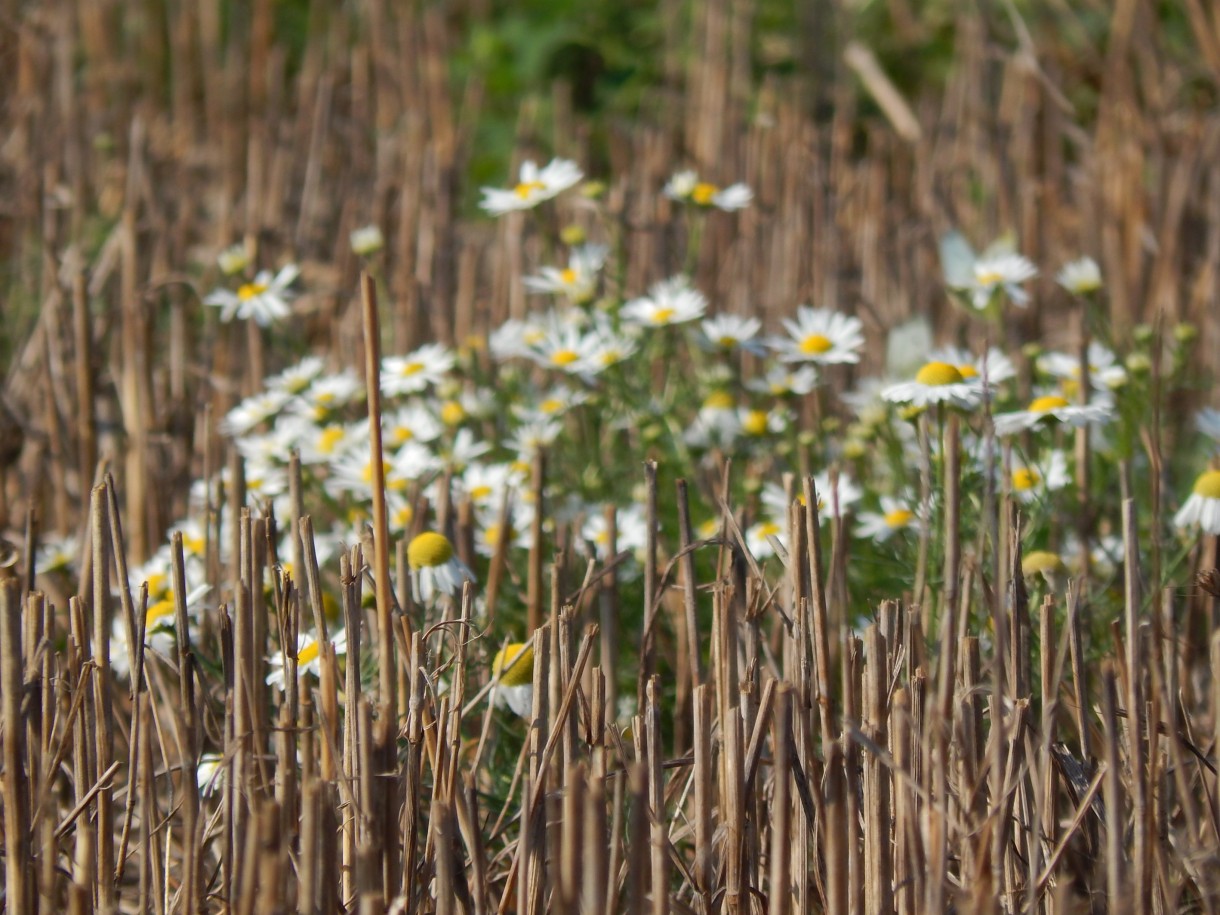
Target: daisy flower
{"points": [[820, 335], [532, 437], [685, 186], [253, 411], [762, 536], [513, 667], [565, 349], [233, 260], [936, 383], [56, 554], [577, 281], [758, 423], [534, 185], [992, 365], [729, 332], [410, 422], [435, 569], [608, 348], [1047, 407], [1000, 272], [556, 402], [716, 424], [847, 492], [328, 394], [210, 774], [309, 657], [672, 301], [1080, 277], [462, 450], [630, 530], [1203, 506], [781, 380], [1105, 374], [414, 372], [296, 379], [1033, 481], [484, 484], [366, 240], [264, 300], [895, 516], [1042, 562]]}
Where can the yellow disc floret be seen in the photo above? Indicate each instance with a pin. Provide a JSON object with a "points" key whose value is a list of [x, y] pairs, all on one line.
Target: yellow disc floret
{"points": [[429, 550], [815, 344], [1208, 485], [1047, 403], [899, 517], [514, 664], [1041, 562], [935, 374]]}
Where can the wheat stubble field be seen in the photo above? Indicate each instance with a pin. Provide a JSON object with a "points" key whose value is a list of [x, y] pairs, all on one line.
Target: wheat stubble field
{"points": [[713, 456]]}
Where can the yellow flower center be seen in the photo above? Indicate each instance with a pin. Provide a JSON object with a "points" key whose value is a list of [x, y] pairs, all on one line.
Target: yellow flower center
{"points": [[768, 529], [815, 344], [568, 276], [480, 492], [1025, 479], [330, 439], [247, 291], [514, 665], [967, 372], [935, 374], [755, 422], [1070, 387], [526, 188], [308, 653], [702, 193], [662, 315], [403, 516], [1208, 485], [452, 413], [1041, 562], [551, 405], [400, 435], [1047, 403], [158, 584], [157, 612], [727, 341], [899, 517], [429, 550], [410, 368], [718, 400], [988, 277], [564, 356]]}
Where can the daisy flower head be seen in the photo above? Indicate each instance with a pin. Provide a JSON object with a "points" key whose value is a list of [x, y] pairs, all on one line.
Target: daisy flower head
{"points": [[435, 568], [327, 395], [577, 281], [1032, 481], [671, 301], [210, 773], [686, 187], [630, 530], [936, 383], [993, 366], [551, 404], [1000, 273], [296, 379], [756, 423], [233, 260], [309, 657], [609, 348], [845, 494], [513, 667], [366, 241], [1105, 372], [534, 185], [253, 411], [762, 537], [1051, 407], [1203, 506], [1042, 562], [56, 554], [414, 372], [783, 380], [728, 332], [1080, 277], [264, 299], [895, 516], [716, 425], [411, 422], [565, 348], [821, 336], [532, 437]]}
